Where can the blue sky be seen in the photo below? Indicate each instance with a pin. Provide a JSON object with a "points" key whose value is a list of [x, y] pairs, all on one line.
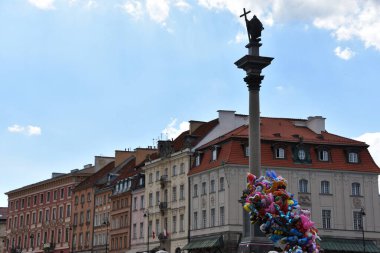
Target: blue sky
{"points": [[80, 78]]}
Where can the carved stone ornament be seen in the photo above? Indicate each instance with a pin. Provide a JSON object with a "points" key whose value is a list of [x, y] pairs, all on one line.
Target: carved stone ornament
{"points": [[204, 202], [304, 200], [357, 202], [212, 200]]}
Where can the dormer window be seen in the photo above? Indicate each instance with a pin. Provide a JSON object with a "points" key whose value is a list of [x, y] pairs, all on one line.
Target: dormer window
{"points": [[280, 153], [323, 155], [353, 157], [198, 160], [214, 154], [301, 154]]}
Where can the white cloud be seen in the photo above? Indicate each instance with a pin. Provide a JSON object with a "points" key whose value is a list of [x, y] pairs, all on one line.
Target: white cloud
{"points": [[158, 10], [346, 19], [91, 4], [43, 4], [373, 140], [182, 5], [239, 38], [133, 8], [344, 54], [28, 130], [279, 88], [172, 130]]}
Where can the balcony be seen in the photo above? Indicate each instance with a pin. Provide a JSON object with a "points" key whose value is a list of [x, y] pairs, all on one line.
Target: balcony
{"points": [[162, 236], [164, 180], [163, 206]]}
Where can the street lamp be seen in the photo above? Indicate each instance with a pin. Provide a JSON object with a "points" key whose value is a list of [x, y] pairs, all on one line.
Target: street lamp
{"points": [[146, 214], [106, 222], [362, 225]]}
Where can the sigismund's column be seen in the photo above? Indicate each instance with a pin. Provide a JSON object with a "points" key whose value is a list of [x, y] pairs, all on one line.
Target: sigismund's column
{"points": [[253, 64]]}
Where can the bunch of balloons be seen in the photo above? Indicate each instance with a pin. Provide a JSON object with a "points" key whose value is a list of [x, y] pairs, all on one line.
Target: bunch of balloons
{"points": [[280, 216]]}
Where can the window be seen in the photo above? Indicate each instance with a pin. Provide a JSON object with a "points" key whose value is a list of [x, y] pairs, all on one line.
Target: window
{"points": [[35, 200], [198, 160], [135, 203], [221, 216], [301, 154], [246, 150], [150, 199], [22, 203], [62, 193], [280, 153], [174, 171], [41, 200], [68, 210], [214, 155], [69, 191], [150, 178], [195, 191], [40, 216], [204, 219], [28, 202], [182, 168], [76, 200], [323, 155], [203, 188], [358, 220], [82, 199], [89, 197], [54, 214], [88, 216], [174, 196], [157, 197], [142, 205], [55, 195], [47, 215], [212, 217], [48, 197], [181, 192], [141, 229], [212, 186], [181, 223], [174, 224], [303, 186], [157, 226], [355, 189], [157, 175], [221, 184], [134, 232], [353, 157], [195, 226], [325, 187], [326, 219], [34, 218], [81, 218]]}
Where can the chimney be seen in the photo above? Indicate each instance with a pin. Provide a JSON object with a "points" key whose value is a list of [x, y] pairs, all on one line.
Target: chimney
{"points": [[194, 125], [101, 161], [141, 153], [316, 124], [165, 148], [122, 155], [226, 117]]}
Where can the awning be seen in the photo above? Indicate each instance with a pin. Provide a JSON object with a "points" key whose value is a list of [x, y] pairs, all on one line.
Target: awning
{"points": [[347, 245], [205, 243]]}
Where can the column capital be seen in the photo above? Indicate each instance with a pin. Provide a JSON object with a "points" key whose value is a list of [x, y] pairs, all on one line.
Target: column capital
{"points": [[253, 81]]}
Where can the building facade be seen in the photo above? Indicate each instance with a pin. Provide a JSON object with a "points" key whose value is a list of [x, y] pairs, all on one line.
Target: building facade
{"points": [[39, 215], [333, 176], [3, 227]]}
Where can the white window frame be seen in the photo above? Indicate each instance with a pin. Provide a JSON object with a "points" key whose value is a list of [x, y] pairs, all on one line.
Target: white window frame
{"points": [[326, 219], [355, 189], [280, 153], [325, 187], [303, 186], [353, 157], [323, 155]]}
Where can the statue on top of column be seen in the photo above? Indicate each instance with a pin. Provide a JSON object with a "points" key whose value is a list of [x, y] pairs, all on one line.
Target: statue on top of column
{"points": [[254, 28]]}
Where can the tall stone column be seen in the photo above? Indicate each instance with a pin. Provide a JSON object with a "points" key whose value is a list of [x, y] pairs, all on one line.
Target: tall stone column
{"points": [[253, 64]]}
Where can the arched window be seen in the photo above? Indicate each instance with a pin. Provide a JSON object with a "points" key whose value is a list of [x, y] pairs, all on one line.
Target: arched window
{"points": [[355, 189], [325, 187], [303, 186]]}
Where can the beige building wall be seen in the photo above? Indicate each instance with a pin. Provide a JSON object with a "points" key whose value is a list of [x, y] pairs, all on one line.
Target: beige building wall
{"points": [[340, 200], [171, 207]]}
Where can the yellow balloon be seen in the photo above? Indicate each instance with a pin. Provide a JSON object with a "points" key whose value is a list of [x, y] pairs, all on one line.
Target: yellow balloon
{"points": [[246, 208]]}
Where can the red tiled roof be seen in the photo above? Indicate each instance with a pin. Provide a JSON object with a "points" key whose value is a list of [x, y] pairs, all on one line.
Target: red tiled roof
{"points": [[281, 130], [91, 180]]}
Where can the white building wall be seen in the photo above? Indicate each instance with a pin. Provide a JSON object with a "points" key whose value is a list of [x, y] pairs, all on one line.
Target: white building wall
{"points": [[340, 201]]}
